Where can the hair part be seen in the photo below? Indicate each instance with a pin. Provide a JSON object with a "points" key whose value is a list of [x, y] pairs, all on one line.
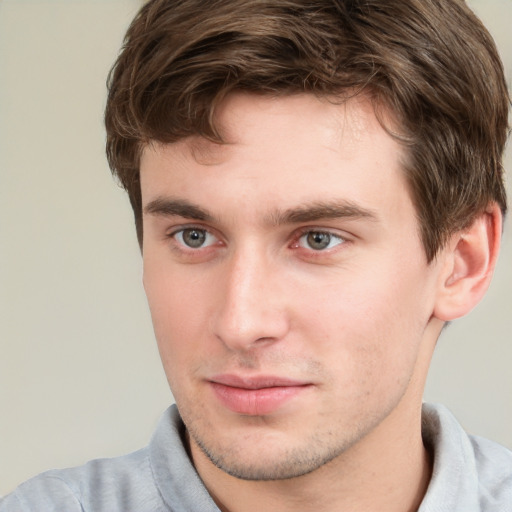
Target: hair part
{"points": [[431, 63]]}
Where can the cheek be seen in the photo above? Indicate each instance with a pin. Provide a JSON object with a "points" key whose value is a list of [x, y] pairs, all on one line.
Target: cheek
{"points": [[176, 328], [177, 311], [370, 326]]}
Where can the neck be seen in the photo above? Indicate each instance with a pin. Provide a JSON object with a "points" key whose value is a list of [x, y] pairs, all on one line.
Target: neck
{"points": [[389, 470]]}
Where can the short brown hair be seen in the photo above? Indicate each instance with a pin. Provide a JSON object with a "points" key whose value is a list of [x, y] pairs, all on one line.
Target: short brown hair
{"points": [[431, 62]]}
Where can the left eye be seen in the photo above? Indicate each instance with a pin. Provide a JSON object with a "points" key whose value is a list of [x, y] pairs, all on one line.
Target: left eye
{"points": [[194, 238], [319, 240]]}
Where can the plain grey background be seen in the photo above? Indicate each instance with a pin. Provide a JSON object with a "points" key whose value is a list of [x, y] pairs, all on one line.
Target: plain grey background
{"points": [[80, 375]]}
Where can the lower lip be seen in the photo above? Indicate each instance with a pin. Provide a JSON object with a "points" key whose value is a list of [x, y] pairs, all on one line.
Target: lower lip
{"points": [[255, 402]]}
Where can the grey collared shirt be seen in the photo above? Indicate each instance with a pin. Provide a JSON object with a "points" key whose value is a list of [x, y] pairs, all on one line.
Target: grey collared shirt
{"points": [[470, 474]]}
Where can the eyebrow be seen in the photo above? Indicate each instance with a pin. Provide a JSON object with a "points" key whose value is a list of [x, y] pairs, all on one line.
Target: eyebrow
{"points": [[322, 210], [169, 207]]}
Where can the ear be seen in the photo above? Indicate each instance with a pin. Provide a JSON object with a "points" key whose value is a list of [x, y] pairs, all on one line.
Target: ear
{"points": [[468, 264]]}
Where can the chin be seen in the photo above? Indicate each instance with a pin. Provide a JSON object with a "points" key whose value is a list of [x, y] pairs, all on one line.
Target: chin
{"points": [[265, 459]]}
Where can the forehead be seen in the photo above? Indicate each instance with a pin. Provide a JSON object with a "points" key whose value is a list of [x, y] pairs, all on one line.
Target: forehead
{"points": [[329, 123], [283, 150]]}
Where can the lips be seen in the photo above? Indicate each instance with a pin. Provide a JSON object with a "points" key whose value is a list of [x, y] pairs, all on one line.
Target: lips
{"points": [[255, 396]]}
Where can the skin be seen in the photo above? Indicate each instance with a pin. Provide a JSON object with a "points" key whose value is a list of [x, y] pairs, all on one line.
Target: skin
{"points": [[355, 323]]}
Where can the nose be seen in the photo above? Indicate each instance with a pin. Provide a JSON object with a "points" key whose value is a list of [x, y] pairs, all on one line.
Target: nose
{"points": [[252, 310]]}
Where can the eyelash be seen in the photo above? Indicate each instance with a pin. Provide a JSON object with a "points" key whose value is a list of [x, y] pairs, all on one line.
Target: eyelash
{"points": [[182, 247], [317, 231]]}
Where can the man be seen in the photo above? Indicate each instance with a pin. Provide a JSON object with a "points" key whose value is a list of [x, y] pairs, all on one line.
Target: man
{"points": [[318, 190]]}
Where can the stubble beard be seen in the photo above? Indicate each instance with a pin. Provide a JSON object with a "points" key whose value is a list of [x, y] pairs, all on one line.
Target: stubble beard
{"points": [[289, 463], [270, 460]]}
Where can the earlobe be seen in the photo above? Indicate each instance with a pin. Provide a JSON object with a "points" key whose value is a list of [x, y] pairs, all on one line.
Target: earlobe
{"points": [[469, 261]]}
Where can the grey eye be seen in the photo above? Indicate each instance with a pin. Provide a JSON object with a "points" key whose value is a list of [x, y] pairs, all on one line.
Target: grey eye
{"points": [[193, 238], [318, 240]]}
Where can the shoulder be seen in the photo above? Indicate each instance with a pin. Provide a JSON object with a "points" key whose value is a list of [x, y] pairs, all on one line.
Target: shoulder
{"points": [[469, 473], [157, 478], [493, 464], [118, 484], [99, 485], [45, 492]]}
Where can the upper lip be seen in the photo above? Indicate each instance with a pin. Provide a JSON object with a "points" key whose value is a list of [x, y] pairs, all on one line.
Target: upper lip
{"points": [[255, 382]]}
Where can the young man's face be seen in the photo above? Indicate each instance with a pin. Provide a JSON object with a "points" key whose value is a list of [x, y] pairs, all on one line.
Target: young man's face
{"points": [[289, 290]]}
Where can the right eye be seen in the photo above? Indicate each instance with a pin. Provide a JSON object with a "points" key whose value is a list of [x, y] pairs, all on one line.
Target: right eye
{"points": [[194, 238]]}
